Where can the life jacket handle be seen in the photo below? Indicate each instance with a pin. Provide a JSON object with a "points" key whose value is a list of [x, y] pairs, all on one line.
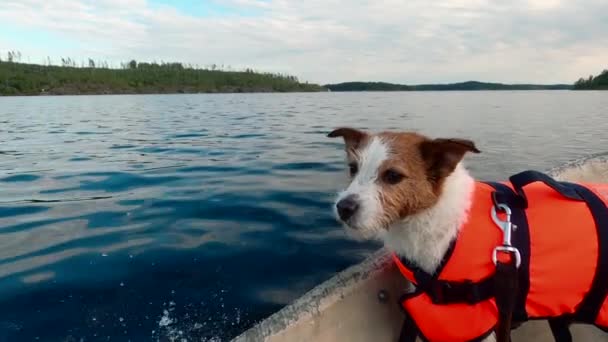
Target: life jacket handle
{"points": [[524, 178]]}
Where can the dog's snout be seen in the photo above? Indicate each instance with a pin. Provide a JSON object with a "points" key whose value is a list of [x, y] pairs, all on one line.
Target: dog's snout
{"points": [[347, 207]]}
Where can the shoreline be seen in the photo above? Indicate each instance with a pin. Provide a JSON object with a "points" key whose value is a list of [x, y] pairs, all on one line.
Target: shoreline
{"points": [[159, 93], [292, 92]]}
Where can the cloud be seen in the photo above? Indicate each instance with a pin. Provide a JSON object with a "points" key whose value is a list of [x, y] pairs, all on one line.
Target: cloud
{"points": [[414, 41]]}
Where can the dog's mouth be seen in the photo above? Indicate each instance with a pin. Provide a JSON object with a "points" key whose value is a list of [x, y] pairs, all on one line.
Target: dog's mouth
{"points": [[350, 224], [364, 234], [356, 229]]}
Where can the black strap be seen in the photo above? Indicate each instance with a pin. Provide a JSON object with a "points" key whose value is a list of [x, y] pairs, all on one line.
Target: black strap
{"points": [[521, 239], [506, 281], [526, 177], [421, 278], [560, 329], [409, 330], [448, 292], [591, 304], [507, 293]]}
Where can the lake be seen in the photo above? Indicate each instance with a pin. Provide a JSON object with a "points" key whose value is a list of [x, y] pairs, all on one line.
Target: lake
{"points": [[191, 217]]}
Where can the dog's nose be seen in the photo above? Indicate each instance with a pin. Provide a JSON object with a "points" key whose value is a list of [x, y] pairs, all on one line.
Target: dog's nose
{"points": [[347, 207]]}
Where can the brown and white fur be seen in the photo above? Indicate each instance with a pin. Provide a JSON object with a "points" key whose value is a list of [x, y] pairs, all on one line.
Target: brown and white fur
{"points": [[408, 190]]}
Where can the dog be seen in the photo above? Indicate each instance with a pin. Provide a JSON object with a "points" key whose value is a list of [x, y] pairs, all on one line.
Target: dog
{"points": [[407, 190], [414, 194]]}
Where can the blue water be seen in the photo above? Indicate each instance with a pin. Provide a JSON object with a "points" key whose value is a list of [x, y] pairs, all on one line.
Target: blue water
{"points": [[153, 218]]}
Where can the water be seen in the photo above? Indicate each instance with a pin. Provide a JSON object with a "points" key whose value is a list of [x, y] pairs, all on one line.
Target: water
{"points": [[191, 217]]}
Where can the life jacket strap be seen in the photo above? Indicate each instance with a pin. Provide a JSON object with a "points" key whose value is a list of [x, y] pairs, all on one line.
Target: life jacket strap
{"points": [[506, 289], [524, 178], [409, 330], [506, 274], [560, 328], [521, 239], [592, 303], [449, 292]]}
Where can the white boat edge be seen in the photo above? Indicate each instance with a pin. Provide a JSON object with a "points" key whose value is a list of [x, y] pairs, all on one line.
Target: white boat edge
{"points": [[362, 316]]}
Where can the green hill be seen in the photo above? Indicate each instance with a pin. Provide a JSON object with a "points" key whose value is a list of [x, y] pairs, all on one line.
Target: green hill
{"points": [[366, 86], [138, 78], [475, 85], [599, 82], [469, 85]]}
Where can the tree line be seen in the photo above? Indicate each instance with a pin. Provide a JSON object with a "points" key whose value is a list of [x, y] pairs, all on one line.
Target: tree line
{"points": [[461, 86], [599, 82], [134, 77]]}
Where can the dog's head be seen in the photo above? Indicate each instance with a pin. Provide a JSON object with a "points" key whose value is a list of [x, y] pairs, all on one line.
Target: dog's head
{"points": [[393, 175]]}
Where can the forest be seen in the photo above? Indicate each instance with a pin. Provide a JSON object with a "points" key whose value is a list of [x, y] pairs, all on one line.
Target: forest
{"points": [[599, 82], [133, 77], [469, 85]]}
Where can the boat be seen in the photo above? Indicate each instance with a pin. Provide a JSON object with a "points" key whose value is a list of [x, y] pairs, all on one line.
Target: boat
{"points": [[359, 303]]}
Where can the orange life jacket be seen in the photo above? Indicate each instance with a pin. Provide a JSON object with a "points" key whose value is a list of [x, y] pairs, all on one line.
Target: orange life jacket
{"points": [[562, 236]]}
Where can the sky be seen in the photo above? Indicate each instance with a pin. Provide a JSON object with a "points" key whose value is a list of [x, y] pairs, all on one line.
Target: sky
{"points": [[324, 41]]}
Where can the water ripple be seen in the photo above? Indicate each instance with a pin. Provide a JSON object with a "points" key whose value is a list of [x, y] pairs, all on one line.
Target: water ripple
{"points": [[115, 182], [140, 217], [20, 178]]}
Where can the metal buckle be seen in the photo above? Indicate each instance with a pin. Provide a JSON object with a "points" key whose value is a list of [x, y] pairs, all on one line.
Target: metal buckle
{"points": [[506, 227]]}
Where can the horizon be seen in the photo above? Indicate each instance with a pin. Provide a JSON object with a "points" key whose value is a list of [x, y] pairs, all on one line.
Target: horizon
{"points": [[536, 41]]}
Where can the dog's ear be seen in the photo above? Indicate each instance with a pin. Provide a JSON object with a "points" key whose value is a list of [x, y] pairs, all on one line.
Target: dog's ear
{"points": [[442, 155], [352, 137]]}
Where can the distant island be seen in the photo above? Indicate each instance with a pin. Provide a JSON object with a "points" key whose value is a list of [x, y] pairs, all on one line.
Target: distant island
{"points": [[469, 85], [599, 82], [138, 78]]}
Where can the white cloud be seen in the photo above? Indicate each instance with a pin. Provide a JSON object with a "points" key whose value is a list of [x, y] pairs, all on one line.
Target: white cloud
{"points": [[414, 41]]}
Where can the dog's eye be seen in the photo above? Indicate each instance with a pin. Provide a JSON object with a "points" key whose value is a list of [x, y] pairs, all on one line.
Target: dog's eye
{"points": [[353, 168], [392, 176]]}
